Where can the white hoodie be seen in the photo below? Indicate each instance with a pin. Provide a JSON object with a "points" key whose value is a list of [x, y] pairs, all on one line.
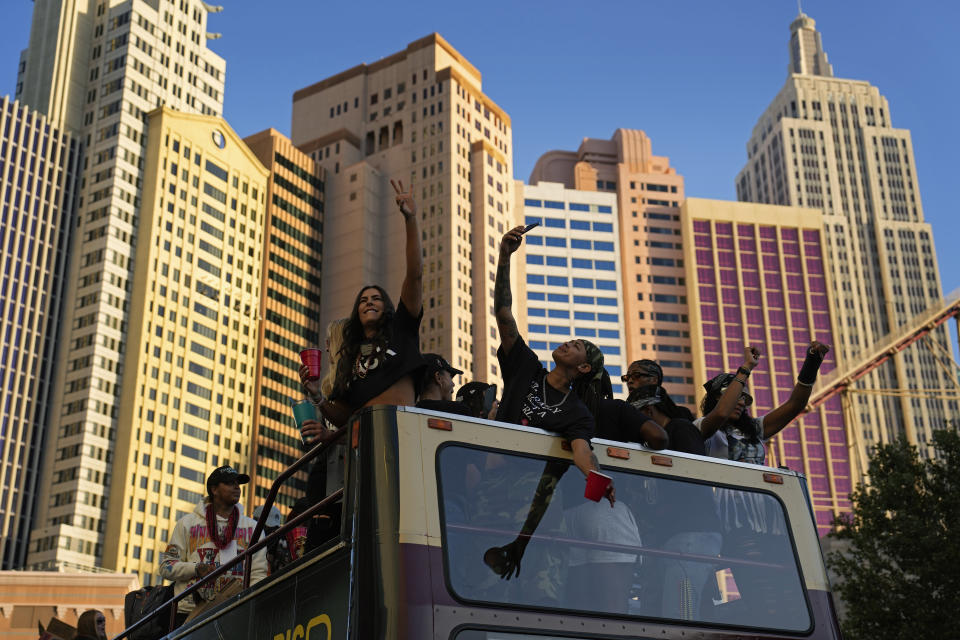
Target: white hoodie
{"points": [[191, 544]]}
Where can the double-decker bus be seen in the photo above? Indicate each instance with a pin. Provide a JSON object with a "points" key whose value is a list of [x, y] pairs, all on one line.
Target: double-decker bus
{"points": [[461, 529]]}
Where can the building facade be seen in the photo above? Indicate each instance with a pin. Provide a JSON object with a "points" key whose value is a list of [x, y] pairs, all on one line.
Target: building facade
{"points": [[32, 597], [191, 365], [829, 143], [96, 69], [758, 276], [290, 308], [649, 192], [39, 177], [420, 116], [573, 279]]}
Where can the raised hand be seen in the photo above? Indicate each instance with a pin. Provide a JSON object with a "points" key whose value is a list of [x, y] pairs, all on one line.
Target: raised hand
{"points": [[751, 357], [819, 348], [404, 199], [511, 240]]}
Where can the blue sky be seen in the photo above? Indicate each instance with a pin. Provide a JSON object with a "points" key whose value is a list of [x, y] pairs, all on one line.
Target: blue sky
{"points": [[693, 74]]}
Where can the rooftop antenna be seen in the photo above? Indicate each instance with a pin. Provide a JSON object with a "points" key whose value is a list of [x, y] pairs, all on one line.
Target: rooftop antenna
{"points": [[799, 8]]}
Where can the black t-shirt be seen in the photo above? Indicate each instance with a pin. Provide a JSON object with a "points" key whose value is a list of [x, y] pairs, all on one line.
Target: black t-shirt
{"points": [[620, 420], [380, 365], [524, 400], [685, 437], [447, 406]]}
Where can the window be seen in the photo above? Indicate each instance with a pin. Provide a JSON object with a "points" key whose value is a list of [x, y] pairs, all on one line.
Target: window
{"points": [[557, 281], [532, 203], [665, 500], [534, 279], [534, 259], [553, 204], [556, 242], [556, 261], [580, 225]]}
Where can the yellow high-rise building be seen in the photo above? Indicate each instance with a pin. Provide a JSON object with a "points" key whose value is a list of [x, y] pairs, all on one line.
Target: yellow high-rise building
{"points": [[191, 357], [290, 303]]}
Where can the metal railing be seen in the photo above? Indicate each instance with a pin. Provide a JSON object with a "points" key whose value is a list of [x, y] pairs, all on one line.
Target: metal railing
{"points": [[247, 555]]}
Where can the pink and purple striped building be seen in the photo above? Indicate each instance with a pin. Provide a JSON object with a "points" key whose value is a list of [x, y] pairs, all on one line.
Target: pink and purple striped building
{"points": [[756, 275]]}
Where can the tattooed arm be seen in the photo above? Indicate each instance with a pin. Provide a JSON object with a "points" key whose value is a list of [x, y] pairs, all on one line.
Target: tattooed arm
{"points": [[502, 297], [505, 560]]}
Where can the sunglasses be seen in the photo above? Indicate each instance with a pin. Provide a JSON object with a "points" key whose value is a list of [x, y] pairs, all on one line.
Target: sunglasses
{"points": [[627, 377], [743, 394]]}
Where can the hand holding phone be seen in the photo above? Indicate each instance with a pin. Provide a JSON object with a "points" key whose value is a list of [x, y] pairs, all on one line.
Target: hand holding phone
{"points": [[529, 226]]}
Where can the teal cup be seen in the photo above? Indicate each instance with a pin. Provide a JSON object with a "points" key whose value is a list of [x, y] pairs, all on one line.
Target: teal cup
{"points": [[304, 410]]}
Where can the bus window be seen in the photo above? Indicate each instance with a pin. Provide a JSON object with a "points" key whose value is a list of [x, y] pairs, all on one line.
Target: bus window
{"points": [[518, 532]]}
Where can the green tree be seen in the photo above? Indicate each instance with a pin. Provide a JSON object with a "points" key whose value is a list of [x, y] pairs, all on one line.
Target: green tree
{"points": [[900, 573]]}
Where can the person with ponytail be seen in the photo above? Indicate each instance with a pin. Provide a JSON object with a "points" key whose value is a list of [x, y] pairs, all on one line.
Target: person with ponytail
{"points": [[727, 428]]}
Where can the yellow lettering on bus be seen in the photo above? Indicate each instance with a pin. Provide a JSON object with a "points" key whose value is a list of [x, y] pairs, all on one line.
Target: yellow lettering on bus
{"points": [[297, 632], [323, 619]]}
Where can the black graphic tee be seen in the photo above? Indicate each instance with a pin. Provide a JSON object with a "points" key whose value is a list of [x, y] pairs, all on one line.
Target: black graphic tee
{"points": [[526, 400], [381, 363]]}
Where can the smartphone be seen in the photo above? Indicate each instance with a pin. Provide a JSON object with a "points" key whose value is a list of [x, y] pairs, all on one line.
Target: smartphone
{"points": [[489, 396], [529, 226]]}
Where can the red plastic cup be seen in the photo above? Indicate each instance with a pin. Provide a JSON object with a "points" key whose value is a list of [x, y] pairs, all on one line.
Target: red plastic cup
{"points": [[311, 358], [297, 542], [597, 484]]}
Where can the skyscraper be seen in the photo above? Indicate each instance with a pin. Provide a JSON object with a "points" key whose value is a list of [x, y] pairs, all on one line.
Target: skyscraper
{"points": [[829, 143], [39, 177], [649, 193], [574, 284], [191, 365], [290, 303], [96, 69], [419, 115], [757, 276]]}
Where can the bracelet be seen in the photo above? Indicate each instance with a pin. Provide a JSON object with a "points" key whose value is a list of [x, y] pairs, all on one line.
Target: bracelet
{"points": [[801, 383], [744, 371]]}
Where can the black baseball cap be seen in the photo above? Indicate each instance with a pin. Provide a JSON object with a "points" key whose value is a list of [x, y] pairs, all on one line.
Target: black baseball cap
{"points": [[225, 474], [436, 362], [474, 390]]}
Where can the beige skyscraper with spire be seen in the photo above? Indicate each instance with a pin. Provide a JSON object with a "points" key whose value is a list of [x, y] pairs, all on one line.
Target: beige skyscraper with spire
{"points": [[97, 68], [829, 143]]}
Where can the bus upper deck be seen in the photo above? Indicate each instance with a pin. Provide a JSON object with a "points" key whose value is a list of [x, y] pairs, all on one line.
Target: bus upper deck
{"points": [[467, 529]]}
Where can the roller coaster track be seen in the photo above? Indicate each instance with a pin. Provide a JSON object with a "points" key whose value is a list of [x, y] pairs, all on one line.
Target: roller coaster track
{"points": [[842, 379]]}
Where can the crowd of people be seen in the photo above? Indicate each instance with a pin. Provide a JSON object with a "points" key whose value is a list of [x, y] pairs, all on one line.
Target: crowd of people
{"points": [[375, 359]]}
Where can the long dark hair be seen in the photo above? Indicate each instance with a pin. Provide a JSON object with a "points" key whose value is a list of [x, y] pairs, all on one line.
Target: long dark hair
{"points": [[353, 336], [745, 423]]}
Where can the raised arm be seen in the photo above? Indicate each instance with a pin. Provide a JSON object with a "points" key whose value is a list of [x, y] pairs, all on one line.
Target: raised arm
{"points": [[412, 291], [780, 417], [502, 297], [728, 401]]}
